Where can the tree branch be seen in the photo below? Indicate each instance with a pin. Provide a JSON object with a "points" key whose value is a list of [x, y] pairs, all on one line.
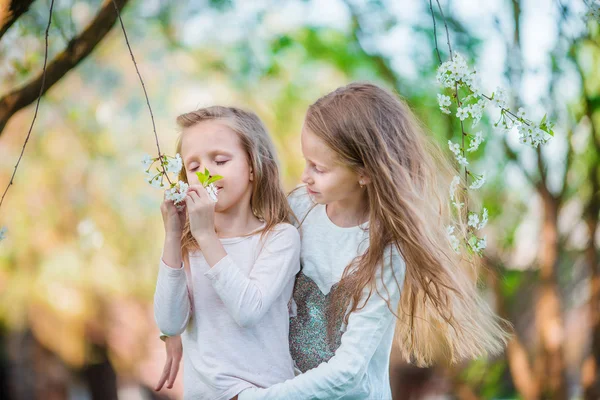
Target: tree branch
{"points": [[77, 50], [11, 12]]}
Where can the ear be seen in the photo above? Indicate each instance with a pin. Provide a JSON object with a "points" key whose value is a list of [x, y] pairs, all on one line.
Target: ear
{"points": [[363, 179]]}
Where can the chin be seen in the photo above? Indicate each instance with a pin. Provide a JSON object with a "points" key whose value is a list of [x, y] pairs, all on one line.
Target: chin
{"points": [[317, 199]]}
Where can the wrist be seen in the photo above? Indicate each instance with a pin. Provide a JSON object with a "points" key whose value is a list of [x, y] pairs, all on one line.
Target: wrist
{"points": [[205, 238], [173, 236]]}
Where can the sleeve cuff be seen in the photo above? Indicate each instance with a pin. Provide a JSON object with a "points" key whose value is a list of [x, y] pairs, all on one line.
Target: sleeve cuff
{"points": [[214, 272], [170, 270]]}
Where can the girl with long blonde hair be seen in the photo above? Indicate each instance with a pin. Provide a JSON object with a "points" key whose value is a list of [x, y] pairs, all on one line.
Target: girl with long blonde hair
{"points": [[227, 271], [376, 259]]}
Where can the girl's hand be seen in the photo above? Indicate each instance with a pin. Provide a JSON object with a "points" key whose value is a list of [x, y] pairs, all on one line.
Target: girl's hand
{"points": [[173, 219], [174, 354], [201, 212]]}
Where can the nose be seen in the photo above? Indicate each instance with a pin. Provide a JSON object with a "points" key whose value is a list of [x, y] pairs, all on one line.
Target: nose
{"points": [[305, 178]]}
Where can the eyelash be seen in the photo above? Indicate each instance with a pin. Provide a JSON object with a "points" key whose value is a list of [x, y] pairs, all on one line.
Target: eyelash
{"points": [[219, 163]]}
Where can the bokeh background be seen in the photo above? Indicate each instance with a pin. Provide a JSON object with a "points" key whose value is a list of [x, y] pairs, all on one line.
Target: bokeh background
{"points": [[79, 264]]}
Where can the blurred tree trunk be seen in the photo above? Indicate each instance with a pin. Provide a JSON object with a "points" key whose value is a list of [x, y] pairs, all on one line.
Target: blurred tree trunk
{"points": [[549, 365], [516, 354], [590, 374]]}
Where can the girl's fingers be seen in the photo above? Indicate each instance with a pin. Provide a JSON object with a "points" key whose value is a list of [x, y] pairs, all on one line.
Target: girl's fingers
{"points": [[173, 374], [165, 374], [200, 191], [194, 195], [189, 201]]}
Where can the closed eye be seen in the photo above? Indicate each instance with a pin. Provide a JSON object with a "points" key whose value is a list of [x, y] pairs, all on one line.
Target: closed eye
{"points": [[220, 162]]}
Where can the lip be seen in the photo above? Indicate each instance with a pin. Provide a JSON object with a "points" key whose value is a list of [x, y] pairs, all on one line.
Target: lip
{"points": [[311, 191]]}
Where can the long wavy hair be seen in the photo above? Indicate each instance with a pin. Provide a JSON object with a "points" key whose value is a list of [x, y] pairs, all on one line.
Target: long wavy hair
{"points": [[441, 316], [268, 200]]}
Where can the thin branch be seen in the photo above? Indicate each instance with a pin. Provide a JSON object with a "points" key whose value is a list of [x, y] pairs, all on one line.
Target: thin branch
{"points": [[145, 92], [446, 26], [37, 105], [435, 32]]}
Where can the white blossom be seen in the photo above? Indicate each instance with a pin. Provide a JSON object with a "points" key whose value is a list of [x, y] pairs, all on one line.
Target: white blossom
{"points": [[175, 164], [478, 183], [444, 101], [147, 161], [475, 142], [154, 179], [480, 245], [212, 192], [521, 113], [477, 111], [500, 98], [462, 160], [454, 147], [473, 220], [532, 135], [462, 112], [458, 205], [178, 192]]}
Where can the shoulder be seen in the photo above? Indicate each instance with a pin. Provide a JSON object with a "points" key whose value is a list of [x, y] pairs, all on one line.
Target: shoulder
{"points": [[300, 202], [283, 234]]}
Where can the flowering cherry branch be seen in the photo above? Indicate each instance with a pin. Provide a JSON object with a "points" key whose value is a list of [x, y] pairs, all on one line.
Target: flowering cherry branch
{"points": [[456, 76]]}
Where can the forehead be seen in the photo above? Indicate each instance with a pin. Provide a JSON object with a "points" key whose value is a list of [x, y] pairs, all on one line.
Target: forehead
{"points": [[209, 136], [315, 149]]}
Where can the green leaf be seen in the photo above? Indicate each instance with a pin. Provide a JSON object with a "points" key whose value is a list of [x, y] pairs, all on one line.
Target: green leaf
{"points": [[201, 178], [214, 179]]}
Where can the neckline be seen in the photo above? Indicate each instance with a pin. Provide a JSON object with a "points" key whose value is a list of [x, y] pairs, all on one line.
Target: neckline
{"points": [[333, 225], [235, 239]]}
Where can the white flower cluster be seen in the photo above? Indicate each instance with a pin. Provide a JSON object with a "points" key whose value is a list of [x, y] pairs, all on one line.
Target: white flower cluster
{"points": [[476, 222], [173, 165], [478, 182], [475, 142], [3, 233], [178, 192], [455, 74], [532, 135], [529, 133], [455, 148], [478, 245]]}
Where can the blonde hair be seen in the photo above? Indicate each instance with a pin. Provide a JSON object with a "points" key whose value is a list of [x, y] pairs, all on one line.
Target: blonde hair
{"points": [[268, 200], [441, 316]]}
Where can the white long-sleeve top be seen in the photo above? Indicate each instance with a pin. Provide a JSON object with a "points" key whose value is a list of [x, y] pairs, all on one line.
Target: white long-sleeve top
{"points": [[360, 367], [235, 326]]}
